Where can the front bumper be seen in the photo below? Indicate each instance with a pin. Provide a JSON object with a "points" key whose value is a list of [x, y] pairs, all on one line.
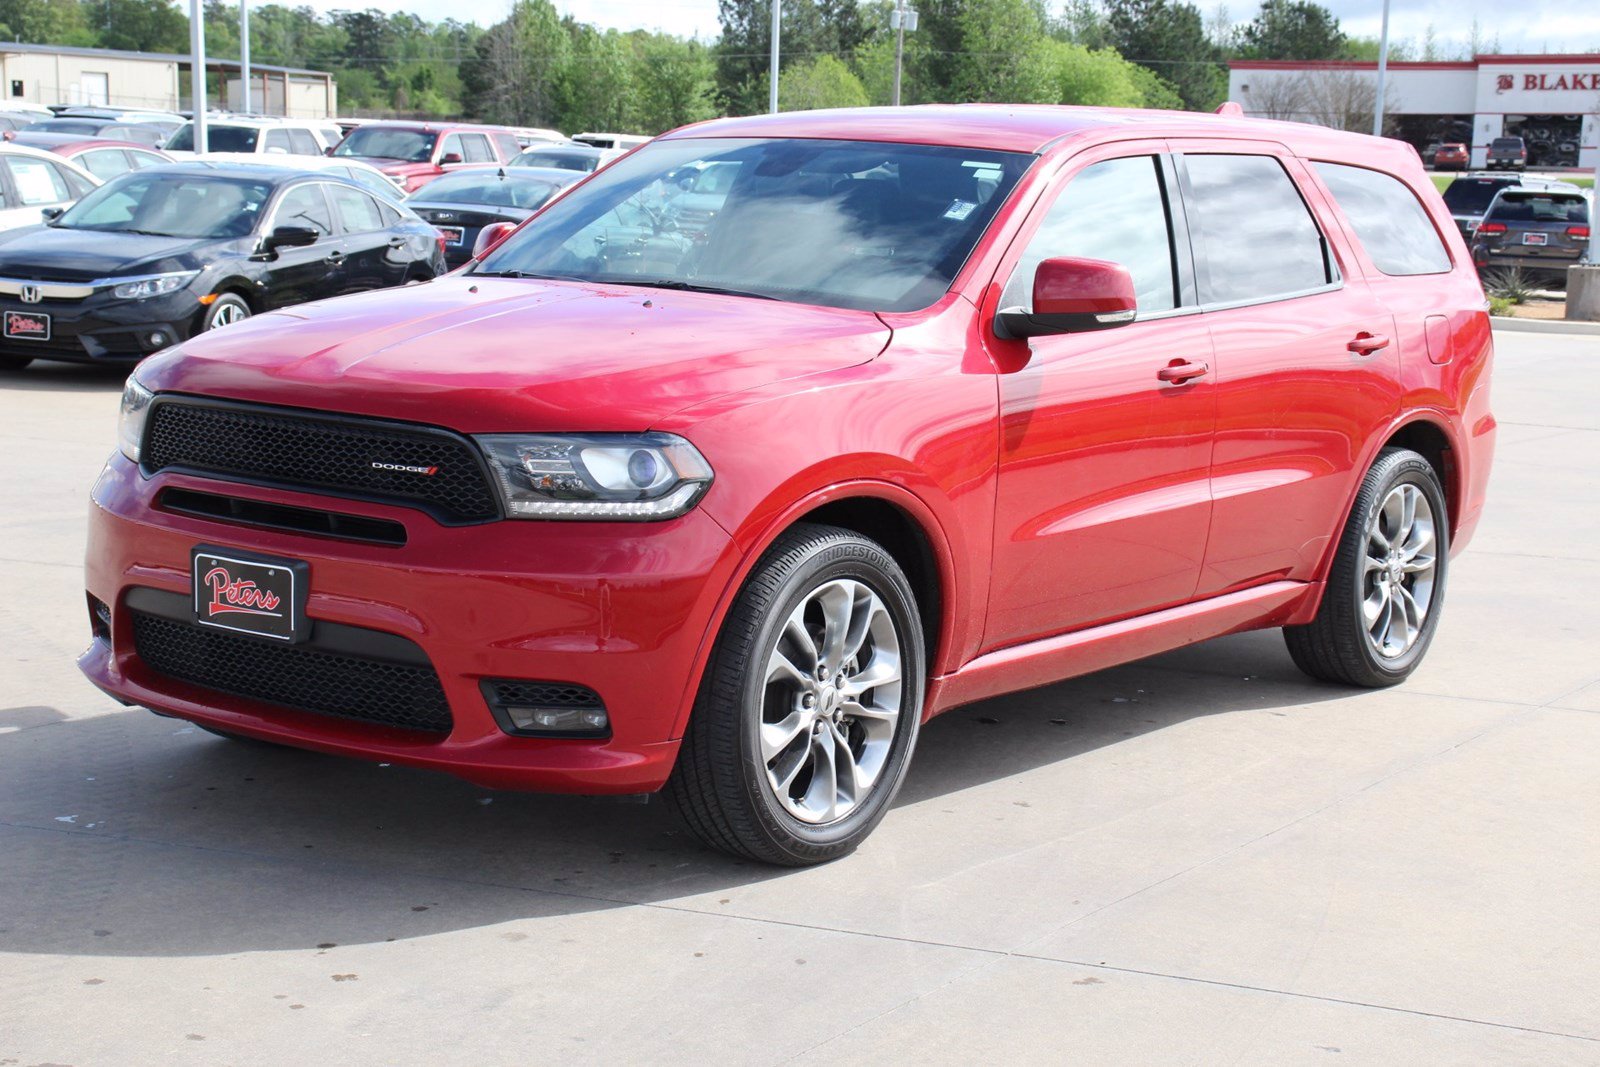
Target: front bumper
{"points": [[623, 609], [100, 329]]}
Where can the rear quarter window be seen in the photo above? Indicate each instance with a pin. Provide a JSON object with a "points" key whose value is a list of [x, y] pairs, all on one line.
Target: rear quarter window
{"points": [[1389, 220]]}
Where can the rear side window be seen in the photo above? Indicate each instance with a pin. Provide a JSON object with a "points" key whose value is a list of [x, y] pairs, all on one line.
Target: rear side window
{"points": [[1115, 211], [358, 212], [1388, 220], [1255, 235], [37, 182], [304, 206], [477, 148], [304, 144], [105, 163], [1540, 207], [276, 141]]}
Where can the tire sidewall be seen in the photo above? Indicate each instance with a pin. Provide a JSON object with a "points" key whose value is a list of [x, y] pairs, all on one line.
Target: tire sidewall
{"points": [[1405, 468], [862, 562], [208, 322]]}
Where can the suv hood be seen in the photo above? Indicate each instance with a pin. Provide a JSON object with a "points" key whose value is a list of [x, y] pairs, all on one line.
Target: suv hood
{"points": [[485, 355], [58, 254]]}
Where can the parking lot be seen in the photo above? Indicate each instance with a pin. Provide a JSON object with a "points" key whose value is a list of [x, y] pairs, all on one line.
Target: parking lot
{"points": [[1199, 858]]}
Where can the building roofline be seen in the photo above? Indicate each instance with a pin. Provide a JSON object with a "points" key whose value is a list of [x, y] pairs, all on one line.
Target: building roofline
{"points": [[21, 48], [1480, 60]]}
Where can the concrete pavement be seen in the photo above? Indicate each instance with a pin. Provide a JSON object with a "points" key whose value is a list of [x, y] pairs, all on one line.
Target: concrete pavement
{"points": [[1200, 858]]}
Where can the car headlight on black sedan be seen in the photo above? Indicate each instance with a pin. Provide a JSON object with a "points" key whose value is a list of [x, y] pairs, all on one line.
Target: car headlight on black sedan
{"points": [[598, 477], [149, 285]]}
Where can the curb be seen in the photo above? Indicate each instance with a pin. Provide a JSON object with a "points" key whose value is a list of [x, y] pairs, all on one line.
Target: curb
{"points": [[1557, 326]]}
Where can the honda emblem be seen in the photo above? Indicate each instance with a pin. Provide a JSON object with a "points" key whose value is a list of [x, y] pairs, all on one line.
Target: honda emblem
{"points": [[31, 294]]}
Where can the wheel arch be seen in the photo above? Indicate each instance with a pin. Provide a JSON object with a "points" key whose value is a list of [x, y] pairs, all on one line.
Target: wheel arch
{"points": [[1431, 440]]}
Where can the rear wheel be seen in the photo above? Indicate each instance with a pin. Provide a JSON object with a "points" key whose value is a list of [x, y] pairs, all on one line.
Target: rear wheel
{"points": [[1386, 588], [809, 710]]}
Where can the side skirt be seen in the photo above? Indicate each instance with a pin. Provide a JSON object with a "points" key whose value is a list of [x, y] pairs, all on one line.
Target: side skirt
{"points": [[1051, 659]]}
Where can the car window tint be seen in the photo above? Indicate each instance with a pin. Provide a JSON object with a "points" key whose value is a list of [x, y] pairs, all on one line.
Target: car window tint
{"points": [[1539, 207], [391, 216], [1256, 237], [77, 184], [477, 148], [1114, 211], [303, 143], [304, 205], [275, 141], [140, 160], [105, 163], [1388, 219], [451, 146], [37, 182], [508, 145], [358, 212]]}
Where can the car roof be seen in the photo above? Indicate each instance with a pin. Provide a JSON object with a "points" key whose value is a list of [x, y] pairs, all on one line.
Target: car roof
{"points": [[1033, 128], [432, 127], [268, 174], [264, 121], [284, 160], [25, 150]]}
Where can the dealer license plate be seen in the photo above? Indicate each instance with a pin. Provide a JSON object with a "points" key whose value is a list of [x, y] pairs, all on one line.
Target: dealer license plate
{"points": [[250, 594]]}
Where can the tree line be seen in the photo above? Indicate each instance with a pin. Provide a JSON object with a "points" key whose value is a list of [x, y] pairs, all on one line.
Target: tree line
{"points": [[537, 67]]}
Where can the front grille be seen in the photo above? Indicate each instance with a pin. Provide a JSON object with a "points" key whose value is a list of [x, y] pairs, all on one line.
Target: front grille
{"points": [[322, 453], [404, 695]]}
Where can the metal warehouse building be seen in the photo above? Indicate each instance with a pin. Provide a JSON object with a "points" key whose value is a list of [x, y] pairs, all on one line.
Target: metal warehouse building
{"points": [[49, 74], [1552, 101]]}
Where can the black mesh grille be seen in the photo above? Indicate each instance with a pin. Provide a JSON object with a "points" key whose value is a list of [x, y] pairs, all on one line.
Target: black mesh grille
{"points": [[294, 676], [541, 695], [323, 453]]}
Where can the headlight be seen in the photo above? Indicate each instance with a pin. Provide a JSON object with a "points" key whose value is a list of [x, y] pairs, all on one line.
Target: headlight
{"points": [[130, 418], [154, 285], [627, 477]]}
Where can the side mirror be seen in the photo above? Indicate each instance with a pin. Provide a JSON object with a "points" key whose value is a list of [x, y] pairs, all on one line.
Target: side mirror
{"points": [[289, 237], [1073, 296], [450, 157], [490, 236], [50, 214], [329, 150]]}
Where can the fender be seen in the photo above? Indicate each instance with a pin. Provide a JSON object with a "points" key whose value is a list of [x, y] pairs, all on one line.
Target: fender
{"points": [[754, 542]]}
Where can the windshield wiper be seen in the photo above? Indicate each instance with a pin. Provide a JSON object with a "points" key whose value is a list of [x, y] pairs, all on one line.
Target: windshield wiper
{"points": [[513, 274], [688, 287]]}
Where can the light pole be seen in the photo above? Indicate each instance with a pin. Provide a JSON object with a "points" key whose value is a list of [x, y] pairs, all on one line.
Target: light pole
{"points": [[1383, 72], [772, 91], [244, 57], [197, 72], [901, 19]]}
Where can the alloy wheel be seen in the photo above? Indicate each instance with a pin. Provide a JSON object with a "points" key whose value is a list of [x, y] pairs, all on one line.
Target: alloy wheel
{"points": [[831, 703], [227, 315], [1399, 570]]}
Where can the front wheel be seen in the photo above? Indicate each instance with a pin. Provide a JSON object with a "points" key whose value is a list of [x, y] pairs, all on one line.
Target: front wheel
{"points": [[225, 310], [810, 706], [1386, 588]]}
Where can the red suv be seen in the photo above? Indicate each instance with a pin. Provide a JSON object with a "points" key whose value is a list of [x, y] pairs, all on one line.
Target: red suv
{"points": [[940, 403], [418, 152]]}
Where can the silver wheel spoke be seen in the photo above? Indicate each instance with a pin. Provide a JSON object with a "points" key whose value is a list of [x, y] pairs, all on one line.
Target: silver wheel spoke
{"points": [[781, 666], [1398, 571], [838, 609], [776, 737]]}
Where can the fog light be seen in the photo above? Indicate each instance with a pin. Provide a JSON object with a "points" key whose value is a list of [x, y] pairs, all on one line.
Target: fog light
{"points": [[99, 618], [546, 709], [159, 339]]}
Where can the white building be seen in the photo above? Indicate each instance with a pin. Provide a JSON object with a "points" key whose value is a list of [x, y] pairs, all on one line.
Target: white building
{"points": [[51, 74], [1551, 101]]}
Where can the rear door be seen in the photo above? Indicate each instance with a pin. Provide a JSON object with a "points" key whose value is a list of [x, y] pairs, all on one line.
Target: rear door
{"points": [[1103, 498], [375, 258], [1305, 358]]}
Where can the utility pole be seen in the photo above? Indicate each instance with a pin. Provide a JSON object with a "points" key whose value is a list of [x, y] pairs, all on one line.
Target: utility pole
{"points": [[777, 21], [901, 19], [197, 71], [1383, 73], [244, 57]]}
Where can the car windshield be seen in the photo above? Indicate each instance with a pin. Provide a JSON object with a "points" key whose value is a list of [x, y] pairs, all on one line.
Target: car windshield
{"points": [[412, 146], [172, 205], [219, 138], [1536, 207], [486, 187], [561, 160], [854, 224], [1471, 196]]}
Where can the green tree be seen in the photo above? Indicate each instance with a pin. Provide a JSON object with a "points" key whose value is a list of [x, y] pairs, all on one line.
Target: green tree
{"points": [[676, 82], [818, 83], [1005, 54], [595, 87], [1169, 37], [514, 74], [1292, 29], [144, 26]]}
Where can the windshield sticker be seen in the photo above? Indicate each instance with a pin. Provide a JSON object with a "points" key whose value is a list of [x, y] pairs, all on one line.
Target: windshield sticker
{"points": [[959, 209]]}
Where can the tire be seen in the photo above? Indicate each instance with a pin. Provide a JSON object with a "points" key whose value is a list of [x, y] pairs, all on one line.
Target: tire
{"points": [[14, 363], [225, 310], [1342, 644], [738, 784]]}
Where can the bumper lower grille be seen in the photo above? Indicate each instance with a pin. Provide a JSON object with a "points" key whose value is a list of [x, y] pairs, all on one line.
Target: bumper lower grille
{"points": [[420, 466], [302, 677]]}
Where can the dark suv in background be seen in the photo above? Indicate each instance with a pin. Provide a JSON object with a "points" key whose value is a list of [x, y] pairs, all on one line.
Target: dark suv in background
{"points": [[1507, 153], [1539, 231], [1470, 195]]}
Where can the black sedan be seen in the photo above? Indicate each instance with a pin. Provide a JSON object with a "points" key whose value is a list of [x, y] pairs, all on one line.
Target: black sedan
{"points": [[155, 256], [461, 204]]}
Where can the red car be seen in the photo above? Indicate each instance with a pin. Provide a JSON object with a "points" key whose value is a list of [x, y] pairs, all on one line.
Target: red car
{"points": [[941, 403], [1452, 156], [418, 152], [104, 159]]}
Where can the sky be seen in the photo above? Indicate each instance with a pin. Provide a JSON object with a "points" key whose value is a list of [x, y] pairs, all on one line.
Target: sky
{"points": [[1535, 26]]}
